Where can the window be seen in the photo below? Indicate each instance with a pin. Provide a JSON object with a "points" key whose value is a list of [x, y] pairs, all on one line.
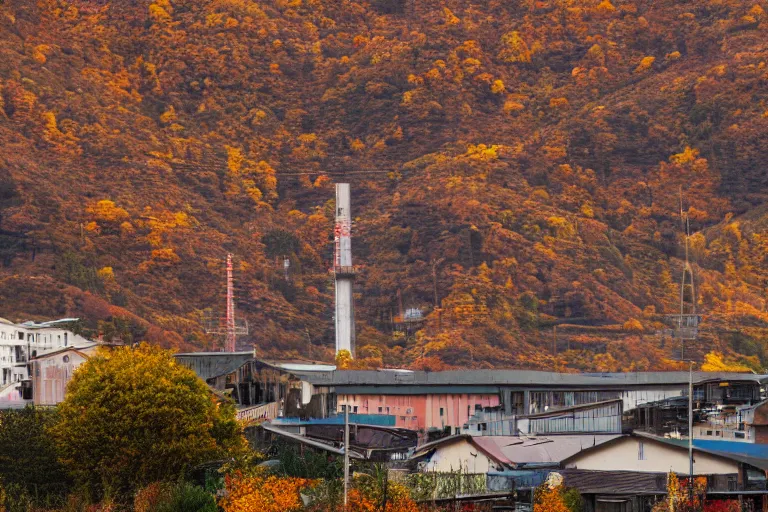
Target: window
{"points": [[478, 407], [409, 411], [640, 450], [343, 408], [65, 359], [354, 409], [381, 409], [739, 435], [709, 432], [717, 433], [387, 410], [441, 411], [21, 335]]}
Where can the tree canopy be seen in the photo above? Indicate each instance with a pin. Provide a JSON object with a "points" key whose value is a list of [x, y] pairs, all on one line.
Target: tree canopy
{"points": [[133, 416], [29, 466]]}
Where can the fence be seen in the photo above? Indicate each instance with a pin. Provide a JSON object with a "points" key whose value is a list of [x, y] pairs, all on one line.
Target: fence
{"points": [[438, 486], [259, 412]]}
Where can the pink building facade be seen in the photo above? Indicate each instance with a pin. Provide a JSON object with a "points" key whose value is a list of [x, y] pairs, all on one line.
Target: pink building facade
{"points": [[420, 412]]}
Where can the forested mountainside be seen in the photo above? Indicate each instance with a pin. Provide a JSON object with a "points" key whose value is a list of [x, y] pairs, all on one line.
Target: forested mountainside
{"points": [[523, 163]]}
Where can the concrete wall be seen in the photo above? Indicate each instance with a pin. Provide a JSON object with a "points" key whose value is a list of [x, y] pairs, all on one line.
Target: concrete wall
{"points": [[50, 376], [460, 456], [417, 412], [624, 455]]}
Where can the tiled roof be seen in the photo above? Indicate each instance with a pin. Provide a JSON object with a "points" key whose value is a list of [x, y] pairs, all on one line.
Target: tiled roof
{"points": [[309, 442]]}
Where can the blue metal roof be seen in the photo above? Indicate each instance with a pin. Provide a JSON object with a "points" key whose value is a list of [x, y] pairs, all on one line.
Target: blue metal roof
{"points": [[734, 447]]}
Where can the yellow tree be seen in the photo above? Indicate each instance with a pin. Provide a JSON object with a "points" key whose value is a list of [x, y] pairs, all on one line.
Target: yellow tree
{"points": [[133, 416], [716, 362], [343, 360]]}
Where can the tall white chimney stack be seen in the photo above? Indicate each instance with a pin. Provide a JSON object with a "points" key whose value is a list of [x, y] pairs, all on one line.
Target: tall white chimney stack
{"points": [[344, 271]]}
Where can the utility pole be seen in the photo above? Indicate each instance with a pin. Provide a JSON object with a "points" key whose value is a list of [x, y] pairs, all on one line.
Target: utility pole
{"points": [[554, 341], [435, 264], [346, 454], [690, 432]]}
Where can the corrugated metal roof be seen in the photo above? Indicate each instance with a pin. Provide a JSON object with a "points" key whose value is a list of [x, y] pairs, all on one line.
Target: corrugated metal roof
{"points": [[519, 378], [208, 365], [406, 389], [48, 324], [309, 442], [727, 452], [306, 367], [615, 482], [525, 450], [756, 450]]}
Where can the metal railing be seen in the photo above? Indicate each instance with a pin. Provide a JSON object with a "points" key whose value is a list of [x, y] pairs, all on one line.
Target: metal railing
{"points": [[259, 412]]}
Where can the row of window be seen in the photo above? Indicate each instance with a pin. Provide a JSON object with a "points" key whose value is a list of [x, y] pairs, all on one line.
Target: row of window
{"points": [[382, 410], [570, 398], [45, 339]]}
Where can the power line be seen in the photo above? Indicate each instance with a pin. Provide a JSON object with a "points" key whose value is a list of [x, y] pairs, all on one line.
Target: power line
{"points": [[209, 166]]}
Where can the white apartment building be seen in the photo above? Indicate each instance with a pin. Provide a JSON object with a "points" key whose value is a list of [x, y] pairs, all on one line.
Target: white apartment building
{"points": [[21, 343]]}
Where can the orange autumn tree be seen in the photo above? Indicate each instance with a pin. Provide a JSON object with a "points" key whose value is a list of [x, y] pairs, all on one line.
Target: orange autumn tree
{"points": [[677, 499], [263, 492], [554, 496], [373, 491]]}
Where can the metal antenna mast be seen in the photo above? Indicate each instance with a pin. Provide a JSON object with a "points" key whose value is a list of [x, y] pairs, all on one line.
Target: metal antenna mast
{"points": [[229, 342], [686, 323], [229, 327], [690, 319]]}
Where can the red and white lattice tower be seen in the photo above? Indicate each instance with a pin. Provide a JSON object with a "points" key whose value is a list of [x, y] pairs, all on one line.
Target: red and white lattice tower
{"points": [[229, 341]]}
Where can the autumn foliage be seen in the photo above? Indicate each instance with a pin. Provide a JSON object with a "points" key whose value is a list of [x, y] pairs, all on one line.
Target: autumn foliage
{"points": [[555, 497], [133, 416], [267, 493], [518, 168]]}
